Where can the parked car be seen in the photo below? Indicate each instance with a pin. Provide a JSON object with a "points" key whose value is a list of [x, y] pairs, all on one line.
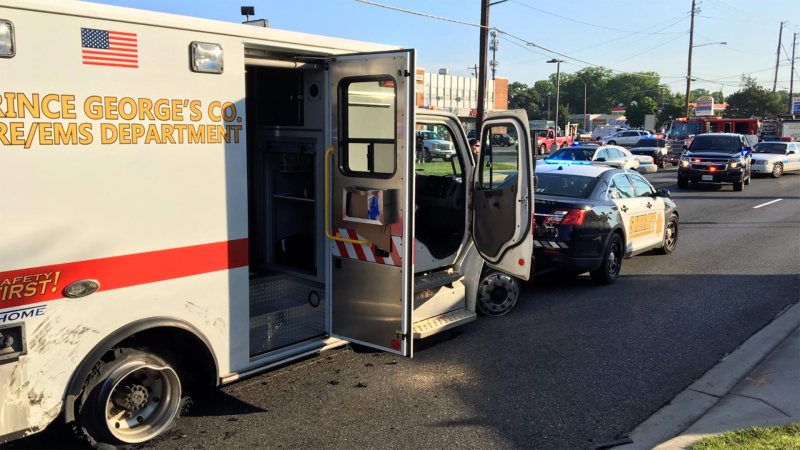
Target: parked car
{"points": [[503, 140], [656, 148], [590, 217], [584, 135], [434, 146], [716, 158], [610, 155], [625, 138], [775, 158]]}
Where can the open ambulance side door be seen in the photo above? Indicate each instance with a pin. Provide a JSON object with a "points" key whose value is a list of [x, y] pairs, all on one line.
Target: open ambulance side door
{"points": [[502, 197], [370, 199]]}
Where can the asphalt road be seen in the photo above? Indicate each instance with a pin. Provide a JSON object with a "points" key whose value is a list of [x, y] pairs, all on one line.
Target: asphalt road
{"points": [[573, 365]]}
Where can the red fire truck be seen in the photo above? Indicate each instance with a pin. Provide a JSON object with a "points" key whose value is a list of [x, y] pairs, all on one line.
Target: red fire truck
{"points": [[683, 129]]}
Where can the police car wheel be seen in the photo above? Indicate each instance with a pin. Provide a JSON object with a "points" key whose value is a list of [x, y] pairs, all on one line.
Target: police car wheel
{"points": [[738, 185], [130, 397], [777, 170], [670, 237], [683, 183], [609, 269], [497, 294], [611, 143]]}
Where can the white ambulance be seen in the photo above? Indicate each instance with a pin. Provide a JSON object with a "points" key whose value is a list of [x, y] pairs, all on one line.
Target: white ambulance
{"points": [[188, 202]]}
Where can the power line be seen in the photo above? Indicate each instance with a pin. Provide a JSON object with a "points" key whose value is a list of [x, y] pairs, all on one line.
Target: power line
{"points": [[681, 19], [654, 47], [582, 22]]}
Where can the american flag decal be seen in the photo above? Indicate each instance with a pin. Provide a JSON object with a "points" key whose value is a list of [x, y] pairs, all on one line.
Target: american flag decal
{"points": [[110, 48]]}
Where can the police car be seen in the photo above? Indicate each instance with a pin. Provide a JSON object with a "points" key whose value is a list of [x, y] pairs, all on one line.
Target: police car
{"points": [[775, 158], [589, 217]]}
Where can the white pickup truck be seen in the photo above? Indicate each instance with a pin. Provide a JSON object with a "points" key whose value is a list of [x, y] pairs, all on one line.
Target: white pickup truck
{"points": [[433, 146]]}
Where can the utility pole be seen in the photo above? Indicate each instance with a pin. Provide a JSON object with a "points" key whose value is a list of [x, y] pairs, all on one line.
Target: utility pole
{"points": [[482, 66], [689, 67], [474, 69], [791, 76], [585, 85], [777, 58], [493, 48]]}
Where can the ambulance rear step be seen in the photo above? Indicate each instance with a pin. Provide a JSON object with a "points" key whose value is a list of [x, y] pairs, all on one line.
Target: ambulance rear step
{"points": [[437, 324], [433, 280]]}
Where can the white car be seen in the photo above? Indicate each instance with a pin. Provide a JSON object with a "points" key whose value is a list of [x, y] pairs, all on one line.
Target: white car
{"points": [[774, 158], [610, 155], [433, 145], [626, 138]]}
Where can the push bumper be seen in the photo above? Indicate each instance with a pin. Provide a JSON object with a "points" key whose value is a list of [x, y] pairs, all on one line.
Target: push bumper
{"points": [[705, 176]]}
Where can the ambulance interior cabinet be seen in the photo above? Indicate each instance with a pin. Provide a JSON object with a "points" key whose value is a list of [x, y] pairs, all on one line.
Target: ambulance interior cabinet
{"points": [[291, 205]]}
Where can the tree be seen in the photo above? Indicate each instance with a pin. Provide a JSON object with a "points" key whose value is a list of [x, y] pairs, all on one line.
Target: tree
{"points": [[636, 111], [522, 96], [753, 101]]}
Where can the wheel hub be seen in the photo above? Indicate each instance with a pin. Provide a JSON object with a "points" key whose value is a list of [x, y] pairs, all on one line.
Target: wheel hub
{"points": [[131, 397]]}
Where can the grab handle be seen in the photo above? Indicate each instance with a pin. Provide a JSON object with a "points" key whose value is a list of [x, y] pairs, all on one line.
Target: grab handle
{"points": [[335, 236]]}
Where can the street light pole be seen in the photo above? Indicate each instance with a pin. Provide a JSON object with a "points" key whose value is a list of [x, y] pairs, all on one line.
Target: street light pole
{"points": [[558, 85]]}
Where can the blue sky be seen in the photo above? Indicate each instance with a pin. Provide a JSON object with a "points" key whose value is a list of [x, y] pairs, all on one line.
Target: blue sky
{"points": [[625, 35]]}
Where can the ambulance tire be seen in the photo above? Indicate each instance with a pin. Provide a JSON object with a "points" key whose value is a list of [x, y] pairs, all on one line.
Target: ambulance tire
{"points": [[609, 269], [131, 396], [497, 293]]}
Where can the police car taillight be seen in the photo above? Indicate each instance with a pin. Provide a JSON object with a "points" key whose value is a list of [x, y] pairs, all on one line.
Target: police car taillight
{"points": [[6, 39], [572, 216]]}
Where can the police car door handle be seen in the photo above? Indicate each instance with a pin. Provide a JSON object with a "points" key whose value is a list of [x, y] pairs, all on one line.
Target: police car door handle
{"points": [[624, 208], [649, 205]]}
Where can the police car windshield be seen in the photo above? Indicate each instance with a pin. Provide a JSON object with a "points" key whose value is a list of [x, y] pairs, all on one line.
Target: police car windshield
{"points": [[774, 148], [573, 154], [577, 186], [724, 144]]}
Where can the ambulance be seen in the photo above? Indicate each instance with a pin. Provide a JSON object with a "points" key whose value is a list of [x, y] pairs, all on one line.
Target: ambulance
{"points": [[188, 202]]}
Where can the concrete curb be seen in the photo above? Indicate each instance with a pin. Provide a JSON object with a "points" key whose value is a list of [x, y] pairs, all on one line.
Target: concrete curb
{"points": [[690, 405]]}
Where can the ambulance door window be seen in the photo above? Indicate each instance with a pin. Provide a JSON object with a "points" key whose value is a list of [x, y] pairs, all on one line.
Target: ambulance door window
{"points": [[369, 145]]}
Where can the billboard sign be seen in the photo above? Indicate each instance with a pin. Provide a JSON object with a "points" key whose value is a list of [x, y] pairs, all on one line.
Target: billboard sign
{"points": [[704, 106], [796, 105]]}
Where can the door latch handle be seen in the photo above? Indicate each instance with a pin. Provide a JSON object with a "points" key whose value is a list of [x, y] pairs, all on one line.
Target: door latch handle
{"points": [[649, 205], [624, 208]]}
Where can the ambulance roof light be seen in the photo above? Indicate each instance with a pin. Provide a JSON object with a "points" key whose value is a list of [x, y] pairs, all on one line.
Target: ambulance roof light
{"points": [[7, 47], [206, 57]]}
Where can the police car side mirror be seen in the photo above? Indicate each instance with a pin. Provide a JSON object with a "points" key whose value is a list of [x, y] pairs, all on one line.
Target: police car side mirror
{"points": [[663, 193], [791, 152]]}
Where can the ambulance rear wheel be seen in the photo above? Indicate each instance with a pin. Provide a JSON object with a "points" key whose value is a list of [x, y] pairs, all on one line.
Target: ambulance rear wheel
{"points": [[497, 294], [130, 397]]}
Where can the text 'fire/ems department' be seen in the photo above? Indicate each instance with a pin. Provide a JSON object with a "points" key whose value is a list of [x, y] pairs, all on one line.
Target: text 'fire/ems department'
{"points": [[114, 120]]}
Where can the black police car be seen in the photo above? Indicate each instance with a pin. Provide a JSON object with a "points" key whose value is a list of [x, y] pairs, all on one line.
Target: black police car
{"points": [[716, 158], [589, 217]]}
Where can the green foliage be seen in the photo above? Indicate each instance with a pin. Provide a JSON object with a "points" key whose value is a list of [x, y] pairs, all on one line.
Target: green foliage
{"points": [[635, 113], [521, 96], [754, 100], [755, 438]]}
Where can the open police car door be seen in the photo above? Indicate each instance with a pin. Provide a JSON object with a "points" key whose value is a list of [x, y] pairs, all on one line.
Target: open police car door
{"points": [[502, 197], [370, 199]]}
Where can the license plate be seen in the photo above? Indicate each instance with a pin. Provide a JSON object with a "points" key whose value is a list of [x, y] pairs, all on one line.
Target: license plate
{"points": [[708, 178]]}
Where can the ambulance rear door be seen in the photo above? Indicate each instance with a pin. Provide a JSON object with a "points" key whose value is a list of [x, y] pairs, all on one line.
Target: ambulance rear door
{"points": [[502, 197], [370, 199]]}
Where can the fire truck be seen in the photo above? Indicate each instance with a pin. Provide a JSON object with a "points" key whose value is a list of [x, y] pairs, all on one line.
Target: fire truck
{"points": [[682, 130], [189, 202]]}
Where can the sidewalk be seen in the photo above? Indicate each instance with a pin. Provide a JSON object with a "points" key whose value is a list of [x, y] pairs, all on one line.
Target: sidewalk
{"points": [[756, 385]]}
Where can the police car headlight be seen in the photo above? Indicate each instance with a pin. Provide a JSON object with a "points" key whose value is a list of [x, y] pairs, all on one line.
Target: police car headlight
{"points": [[6, 39], [734, 164], [685, 162], [206, 58]]}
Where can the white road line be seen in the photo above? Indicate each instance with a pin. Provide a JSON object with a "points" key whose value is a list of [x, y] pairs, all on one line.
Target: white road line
{"points": [[768, 203]]}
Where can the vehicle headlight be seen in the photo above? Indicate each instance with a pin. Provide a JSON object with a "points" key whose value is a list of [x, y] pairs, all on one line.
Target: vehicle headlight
{"points": [[733, 164], [685, 162]]}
